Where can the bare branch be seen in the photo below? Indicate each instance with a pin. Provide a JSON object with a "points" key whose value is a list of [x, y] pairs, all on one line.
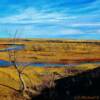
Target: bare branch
{"points": [[13, 60], [9, 87], [28, 78]]}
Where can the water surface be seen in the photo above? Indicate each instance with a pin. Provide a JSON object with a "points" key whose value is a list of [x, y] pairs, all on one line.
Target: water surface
{"points": [[4, 63]]}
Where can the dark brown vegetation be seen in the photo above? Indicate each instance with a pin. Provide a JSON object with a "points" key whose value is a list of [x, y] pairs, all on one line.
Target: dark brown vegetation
{"points": [[85, 85]]}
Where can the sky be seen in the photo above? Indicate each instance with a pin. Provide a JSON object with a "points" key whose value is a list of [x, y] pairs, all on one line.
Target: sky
{"points": [[68, 19]]}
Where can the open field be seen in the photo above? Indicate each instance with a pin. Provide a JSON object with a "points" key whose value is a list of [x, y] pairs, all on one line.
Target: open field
{"points": [[37, 76], [54, 51], [84, 54]]}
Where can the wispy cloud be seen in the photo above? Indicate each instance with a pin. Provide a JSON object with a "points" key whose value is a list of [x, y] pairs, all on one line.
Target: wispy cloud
{"points": [[31, 15], [50, 18], [86, 24]]}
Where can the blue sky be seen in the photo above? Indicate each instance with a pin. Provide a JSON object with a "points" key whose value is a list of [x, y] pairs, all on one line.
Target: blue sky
{"points": [[70, 19]]}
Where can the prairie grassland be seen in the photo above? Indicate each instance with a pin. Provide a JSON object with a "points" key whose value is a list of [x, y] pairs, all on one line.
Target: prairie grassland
{"points": [[54, 51], [45, 51], [37, 76]]}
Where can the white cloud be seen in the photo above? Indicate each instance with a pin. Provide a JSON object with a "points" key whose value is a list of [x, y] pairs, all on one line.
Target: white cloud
{"points": [[86, 24], [64, 24], [71, 31], [31, 15]]}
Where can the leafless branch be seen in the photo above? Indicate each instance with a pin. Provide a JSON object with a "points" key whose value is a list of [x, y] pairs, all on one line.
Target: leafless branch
{"points": [[9, 87]]}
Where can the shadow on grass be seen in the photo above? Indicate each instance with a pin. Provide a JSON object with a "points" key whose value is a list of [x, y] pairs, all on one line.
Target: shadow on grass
{"points": [[85, 85]]}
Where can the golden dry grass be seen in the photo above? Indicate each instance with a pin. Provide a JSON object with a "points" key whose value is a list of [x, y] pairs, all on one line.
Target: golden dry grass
{"points": [[48, 51], [54, 51], [37, 75]]}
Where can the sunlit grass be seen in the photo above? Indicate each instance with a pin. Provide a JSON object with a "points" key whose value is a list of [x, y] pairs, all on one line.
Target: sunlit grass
{"points": [[45, 51]]}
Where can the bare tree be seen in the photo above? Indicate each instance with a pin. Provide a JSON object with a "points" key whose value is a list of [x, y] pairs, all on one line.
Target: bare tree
{"points": [[13, 60]]}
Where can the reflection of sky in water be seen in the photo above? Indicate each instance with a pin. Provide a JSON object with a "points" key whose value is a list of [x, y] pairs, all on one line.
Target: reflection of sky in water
{"points": [[76, 19], [6, 63]]}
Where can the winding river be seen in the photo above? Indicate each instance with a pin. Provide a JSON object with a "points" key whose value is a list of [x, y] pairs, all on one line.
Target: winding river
{"points": [[4, 63]]}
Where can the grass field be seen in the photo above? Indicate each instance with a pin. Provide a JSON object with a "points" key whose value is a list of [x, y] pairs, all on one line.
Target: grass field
{"points": [[54, 51], [84, 53]]}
